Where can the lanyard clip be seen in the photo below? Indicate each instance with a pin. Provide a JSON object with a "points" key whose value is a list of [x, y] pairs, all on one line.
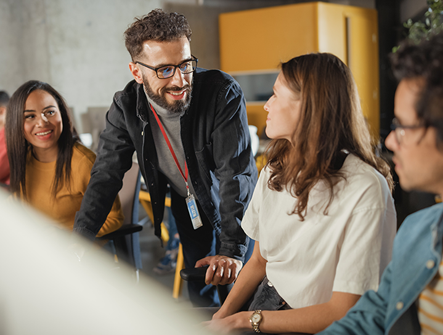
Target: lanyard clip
{"points": [[187, 189]]}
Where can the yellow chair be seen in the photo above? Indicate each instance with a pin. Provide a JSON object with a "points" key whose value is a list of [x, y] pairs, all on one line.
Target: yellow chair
{"points": [[145, 200], [260, 162]]}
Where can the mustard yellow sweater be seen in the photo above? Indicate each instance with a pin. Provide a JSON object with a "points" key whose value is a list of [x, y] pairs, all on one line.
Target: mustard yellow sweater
{"points": [[39, 179]]}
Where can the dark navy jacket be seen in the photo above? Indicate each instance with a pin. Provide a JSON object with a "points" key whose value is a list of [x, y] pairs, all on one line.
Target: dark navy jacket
{"points": [[217, 145]]}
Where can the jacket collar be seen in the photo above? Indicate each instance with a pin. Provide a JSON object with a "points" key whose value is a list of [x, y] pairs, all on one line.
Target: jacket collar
{"points": [[142, 104], [437, 230]]}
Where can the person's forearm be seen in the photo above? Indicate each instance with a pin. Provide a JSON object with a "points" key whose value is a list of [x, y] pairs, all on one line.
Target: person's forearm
{"points": [[114, 220], [312, 319], [233, 240], [235, 168], [248, 280]]}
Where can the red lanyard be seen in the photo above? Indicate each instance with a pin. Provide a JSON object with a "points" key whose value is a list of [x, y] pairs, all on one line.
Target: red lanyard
{"points": [[185, 175]]}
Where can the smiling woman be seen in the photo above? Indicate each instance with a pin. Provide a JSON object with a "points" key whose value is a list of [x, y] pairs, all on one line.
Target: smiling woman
{"points": [[43, 125], [43, 150]]}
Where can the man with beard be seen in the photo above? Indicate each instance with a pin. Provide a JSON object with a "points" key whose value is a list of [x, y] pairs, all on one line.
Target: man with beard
{"points": [[189, 129]]}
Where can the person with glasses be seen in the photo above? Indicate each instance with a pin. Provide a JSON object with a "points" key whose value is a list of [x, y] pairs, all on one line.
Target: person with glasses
{"points": [[410, 297], [189, 128]]}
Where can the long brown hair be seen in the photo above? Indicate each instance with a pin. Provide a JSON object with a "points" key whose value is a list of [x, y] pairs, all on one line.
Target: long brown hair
{"points": [[331, 122], [18, 148]]}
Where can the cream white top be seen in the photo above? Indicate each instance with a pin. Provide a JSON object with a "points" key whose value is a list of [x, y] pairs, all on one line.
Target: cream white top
{"points": [[345, 250]]}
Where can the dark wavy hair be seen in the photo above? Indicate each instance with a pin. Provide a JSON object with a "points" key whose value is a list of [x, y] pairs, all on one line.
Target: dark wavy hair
{"points": [[18, 147], [157, 26], [331, 121], [424, 61]]}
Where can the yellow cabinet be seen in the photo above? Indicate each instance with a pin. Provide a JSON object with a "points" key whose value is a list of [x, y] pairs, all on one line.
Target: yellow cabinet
{"points": [[256, 41]]}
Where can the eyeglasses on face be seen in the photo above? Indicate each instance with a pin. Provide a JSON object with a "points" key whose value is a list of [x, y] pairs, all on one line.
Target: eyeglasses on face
{"points": [[399, 130], [168, 71]]}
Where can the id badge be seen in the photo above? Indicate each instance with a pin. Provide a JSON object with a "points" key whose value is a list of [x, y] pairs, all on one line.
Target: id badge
{"points": [[193, 212]]}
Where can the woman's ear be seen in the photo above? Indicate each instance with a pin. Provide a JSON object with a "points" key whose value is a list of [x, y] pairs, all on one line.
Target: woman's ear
{"points": [[136, 73]]}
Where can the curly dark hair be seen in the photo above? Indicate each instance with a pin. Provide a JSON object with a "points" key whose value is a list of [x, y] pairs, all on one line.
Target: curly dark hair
{"points": [[158, 26], [424, 61]]}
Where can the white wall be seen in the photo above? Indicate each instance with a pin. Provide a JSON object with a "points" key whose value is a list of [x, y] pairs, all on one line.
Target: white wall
{"points": [[11, 57], [76, 46]]}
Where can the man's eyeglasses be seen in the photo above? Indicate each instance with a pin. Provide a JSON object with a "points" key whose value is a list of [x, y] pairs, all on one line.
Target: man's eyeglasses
{"points": [[399, 129], [168, 71]]}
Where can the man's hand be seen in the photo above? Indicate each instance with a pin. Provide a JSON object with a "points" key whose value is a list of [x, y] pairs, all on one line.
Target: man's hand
{"points": [[222, 270]]}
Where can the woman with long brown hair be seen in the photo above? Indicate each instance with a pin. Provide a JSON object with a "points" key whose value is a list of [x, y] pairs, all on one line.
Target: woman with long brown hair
{"points": [[322, 214], [50, 168]]}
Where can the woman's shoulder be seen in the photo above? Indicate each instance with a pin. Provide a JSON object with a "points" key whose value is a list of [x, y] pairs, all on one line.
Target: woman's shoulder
{"points": [[357, 169], [364, 178], [265, 175], [81, 153], [266, 171]]}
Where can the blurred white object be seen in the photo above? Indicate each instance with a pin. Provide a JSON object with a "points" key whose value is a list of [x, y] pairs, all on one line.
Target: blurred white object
{"points": [[255, 141], [86, 139], [45, 290]]}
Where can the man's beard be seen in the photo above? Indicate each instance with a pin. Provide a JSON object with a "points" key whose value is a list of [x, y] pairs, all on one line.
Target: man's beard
{"points": [[177, 106]]}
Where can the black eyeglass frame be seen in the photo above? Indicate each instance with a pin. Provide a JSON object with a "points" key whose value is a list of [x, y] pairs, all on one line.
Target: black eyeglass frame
{"points": [[193, 59], [396, 126]]}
